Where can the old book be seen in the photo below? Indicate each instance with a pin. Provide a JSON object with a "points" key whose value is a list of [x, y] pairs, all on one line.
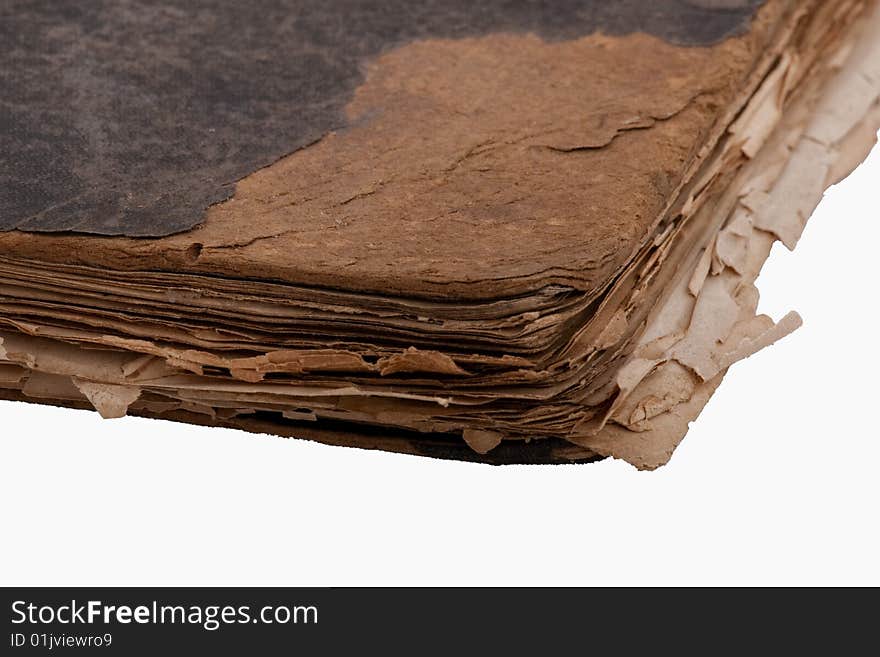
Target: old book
{"points": [[512, 232]]}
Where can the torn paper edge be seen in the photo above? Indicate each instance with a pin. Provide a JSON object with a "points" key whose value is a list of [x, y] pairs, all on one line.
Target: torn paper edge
{"points": [[722, 326]]}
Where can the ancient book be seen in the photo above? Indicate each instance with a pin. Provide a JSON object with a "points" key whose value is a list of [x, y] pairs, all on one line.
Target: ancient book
{"points": [[506, 231]]}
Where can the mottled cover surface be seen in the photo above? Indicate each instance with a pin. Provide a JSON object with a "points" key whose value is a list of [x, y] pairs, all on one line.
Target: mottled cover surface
{"points": [[132, 117]]}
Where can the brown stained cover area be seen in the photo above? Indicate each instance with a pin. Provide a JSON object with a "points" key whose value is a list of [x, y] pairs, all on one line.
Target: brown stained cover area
{"points": [[478, 167], [490, 162], [130, 118]]}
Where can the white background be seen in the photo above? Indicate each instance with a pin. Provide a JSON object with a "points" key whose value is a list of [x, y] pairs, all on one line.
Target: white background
{"points": [[778, 481]]}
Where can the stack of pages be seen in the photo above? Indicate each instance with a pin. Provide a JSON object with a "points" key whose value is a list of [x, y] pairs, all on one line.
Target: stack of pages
{"points": [[510, 232]]}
